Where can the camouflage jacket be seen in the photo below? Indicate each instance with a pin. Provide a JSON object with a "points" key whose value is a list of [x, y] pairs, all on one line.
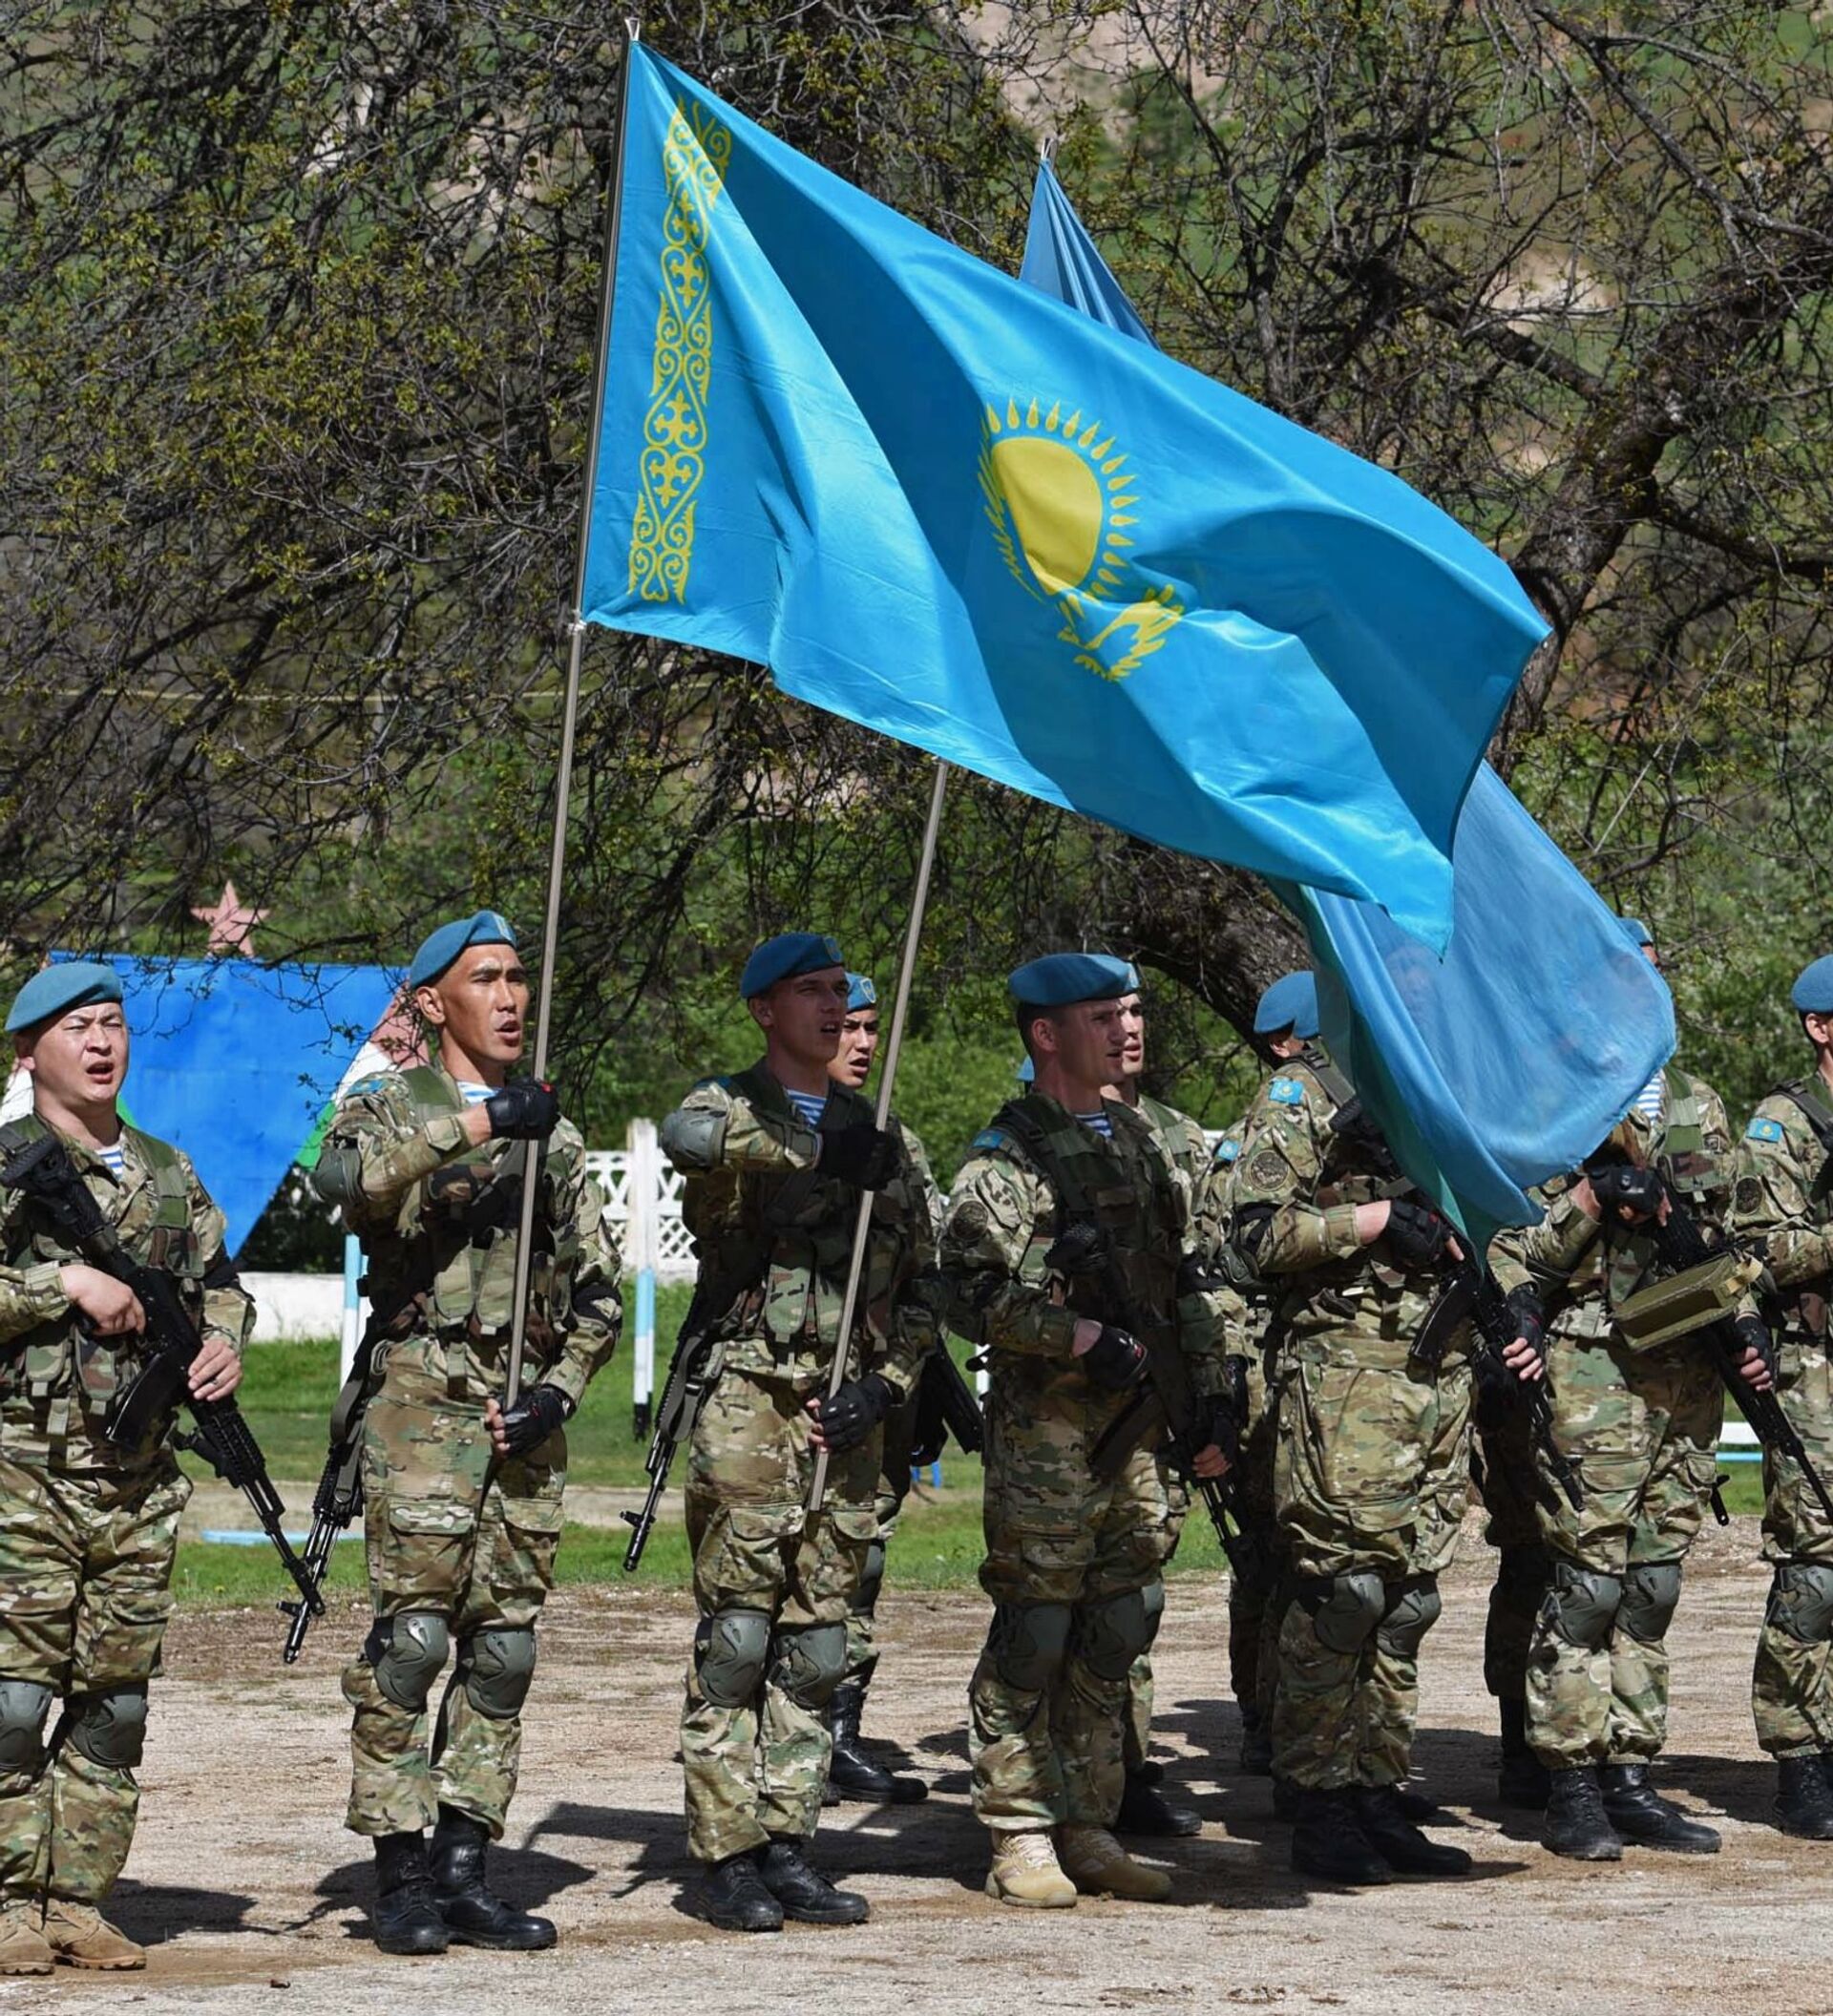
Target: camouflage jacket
{"points": [[1782, 1210], [1291, 1197], [1187, 1148], [55, 1381], [1003, 1217], [758, 1208], [439, 1219], [1582, 1268]]}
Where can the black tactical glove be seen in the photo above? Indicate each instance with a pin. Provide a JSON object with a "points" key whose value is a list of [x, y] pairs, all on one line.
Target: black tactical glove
{"points": [[1114, 1361], [861, 1155], [1753, 1333], [1218, 1423], [535, 1416], [527, 1109], [1416, 1233], [1620, 1187], [851, 1414], [1526, 1320]]}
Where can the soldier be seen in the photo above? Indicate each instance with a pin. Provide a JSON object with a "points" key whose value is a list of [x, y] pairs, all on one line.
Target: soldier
{"points": [[1641, 1424], [1143, 1808], [89, 1530], [777, 1159], [1073, 1559], [1783, 1208], [854, 1774], [1370, 1467], [462, 1497]]}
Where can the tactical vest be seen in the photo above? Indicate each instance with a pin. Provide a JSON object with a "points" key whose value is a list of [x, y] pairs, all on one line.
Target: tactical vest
{"points": [[1803, 1308], [1360, 1165], [451, 1268], [57, 1361], [1683, 1159]]}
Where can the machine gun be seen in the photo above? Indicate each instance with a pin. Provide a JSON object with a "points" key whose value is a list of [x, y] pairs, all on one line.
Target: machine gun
{"points": [[43, 1171]]}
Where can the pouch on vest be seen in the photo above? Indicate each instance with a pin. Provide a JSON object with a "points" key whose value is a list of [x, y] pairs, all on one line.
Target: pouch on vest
{"points": [[1679, 1304]]}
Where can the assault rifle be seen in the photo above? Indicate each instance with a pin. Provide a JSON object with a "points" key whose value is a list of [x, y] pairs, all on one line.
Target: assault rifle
{"points": [[1681, 1249], [44, 1172], [945, 1406]]}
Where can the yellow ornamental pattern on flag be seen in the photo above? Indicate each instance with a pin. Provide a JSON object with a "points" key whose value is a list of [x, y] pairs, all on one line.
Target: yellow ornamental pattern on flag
{"points": [[694, 157], [1060, 498]]}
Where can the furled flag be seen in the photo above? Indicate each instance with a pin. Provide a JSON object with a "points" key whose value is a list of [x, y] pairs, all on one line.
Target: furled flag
{"points": [[971, 518], [1511, 1059]]}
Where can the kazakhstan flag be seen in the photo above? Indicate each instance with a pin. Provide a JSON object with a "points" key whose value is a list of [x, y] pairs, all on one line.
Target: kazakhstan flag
{"points": [[966, 515]]}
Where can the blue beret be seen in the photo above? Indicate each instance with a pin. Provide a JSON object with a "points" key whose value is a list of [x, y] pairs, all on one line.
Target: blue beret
{"points": [[1062, 977], [438, 949], [783, 957], [1291, 1002], [1027, 1071], [71, 983], [861, 993], [1812, 994], [1636, 932]]}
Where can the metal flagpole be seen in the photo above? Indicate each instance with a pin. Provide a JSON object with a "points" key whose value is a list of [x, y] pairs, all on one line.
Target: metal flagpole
{"points": [[895, 1042], [569, 717]]}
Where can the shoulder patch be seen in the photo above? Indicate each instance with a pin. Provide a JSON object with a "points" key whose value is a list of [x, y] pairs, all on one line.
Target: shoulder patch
{"points": [[1227, 1149], [990, 1138], [1762, 1129], [364, 1086], [1286, 1092]]}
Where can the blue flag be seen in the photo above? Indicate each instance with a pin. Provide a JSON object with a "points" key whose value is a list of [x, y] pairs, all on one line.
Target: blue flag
{"points": [[1508, 1059], [938, 504]]}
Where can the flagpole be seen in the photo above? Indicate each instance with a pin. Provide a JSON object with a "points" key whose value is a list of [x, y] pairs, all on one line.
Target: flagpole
{"points": [[894, 1045], [569, 716]]}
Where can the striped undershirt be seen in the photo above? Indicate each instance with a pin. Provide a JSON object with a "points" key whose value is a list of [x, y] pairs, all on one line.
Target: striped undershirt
{"points": [[810, 1105], [1099, 1120], [1649, 1100], [472, 1095], [115, 1158]]}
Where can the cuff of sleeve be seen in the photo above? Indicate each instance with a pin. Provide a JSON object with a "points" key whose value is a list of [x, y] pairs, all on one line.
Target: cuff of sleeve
{"points": [[569, 1380], [1341, 1236], [446, 1132], [1057, 1329], [44, 1288]]}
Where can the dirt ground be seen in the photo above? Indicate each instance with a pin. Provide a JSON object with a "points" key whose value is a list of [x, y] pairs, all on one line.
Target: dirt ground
{"points": [[251, 1893]]}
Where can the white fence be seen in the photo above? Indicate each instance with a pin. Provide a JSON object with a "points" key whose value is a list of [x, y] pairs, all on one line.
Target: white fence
{"points": [[643, 1204]]}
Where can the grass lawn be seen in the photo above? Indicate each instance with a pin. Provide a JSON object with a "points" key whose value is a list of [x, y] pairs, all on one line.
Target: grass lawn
{"points": [[287, 1395]]}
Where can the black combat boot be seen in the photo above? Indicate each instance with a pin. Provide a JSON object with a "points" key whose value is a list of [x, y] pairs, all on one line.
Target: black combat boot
{"points": [[405, 1917], [1255, 1760], [1329, 1841], [1522, 1779], [1803, 1799], [733, 1897], [1393, 1835], [474, 1913], [1288, 1801], [805, 1894], [1419, 1807], [854, 1774], [1144, 1810], [1638, 1815], [1576, 1826]]}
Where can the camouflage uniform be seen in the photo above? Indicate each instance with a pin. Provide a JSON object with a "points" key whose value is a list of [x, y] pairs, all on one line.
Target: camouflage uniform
{"points": [[1507, 1482], [87, 1532], [1371, 1461], [459, 1546], [774, 1590], [1073, 1562], [1642, 1429], [1783, 1204]]}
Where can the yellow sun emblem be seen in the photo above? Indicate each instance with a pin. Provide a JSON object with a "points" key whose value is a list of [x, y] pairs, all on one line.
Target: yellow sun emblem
{"points": [[1060, 497]]}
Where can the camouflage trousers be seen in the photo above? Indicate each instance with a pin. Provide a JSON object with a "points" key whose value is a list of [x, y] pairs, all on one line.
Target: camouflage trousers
{"points": [[1047, 1738], [1642, 1430], [1370, 1478], [1254, 1620], [1524, 1564], [448, 1534], [1791, 1690], [85, 1590], [1136, 1726], [758, 1767], [893, 1487]]}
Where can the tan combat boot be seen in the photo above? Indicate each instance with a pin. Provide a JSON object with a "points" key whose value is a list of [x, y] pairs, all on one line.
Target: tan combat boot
{"points": [[80, 1937], [1099, 1866], [1024, 1872], [22, 1944]]}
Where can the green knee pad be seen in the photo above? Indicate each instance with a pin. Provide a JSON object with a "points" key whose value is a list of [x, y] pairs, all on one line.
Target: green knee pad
{"points": [[1412, 1610], [497, 1668], [1801, 1602], [1581, 1605], [406, 1652], [731, 1649], [24, 1706], [110, 1728], [1651, 1596], [811, 1664], [1344, 1609], [1027, 1643], [1111, 1634], [865, 1598]]}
